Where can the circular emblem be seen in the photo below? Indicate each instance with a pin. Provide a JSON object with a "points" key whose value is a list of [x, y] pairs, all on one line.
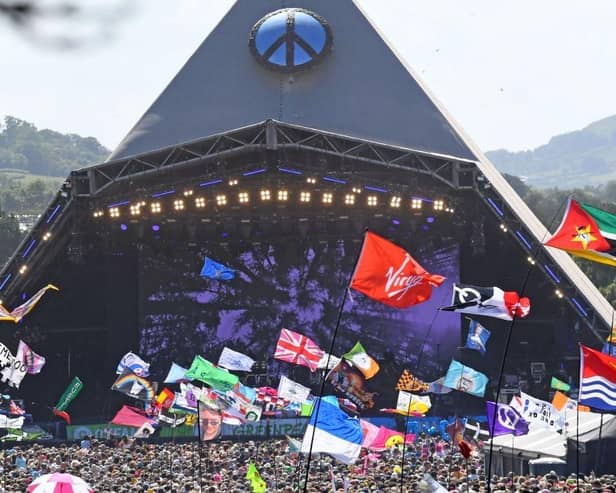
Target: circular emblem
{"points": [[290, 39]]}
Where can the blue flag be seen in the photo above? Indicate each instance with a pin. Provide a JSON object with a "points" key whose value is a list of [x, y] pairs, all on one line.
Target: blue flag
{"points": [[214, 270], [465, 379], [478, 337]]}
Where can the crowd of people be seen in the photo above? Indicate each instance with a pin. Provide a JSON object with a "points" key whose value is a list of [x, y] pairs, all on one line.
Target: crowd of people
{"points": [[129, 465]]}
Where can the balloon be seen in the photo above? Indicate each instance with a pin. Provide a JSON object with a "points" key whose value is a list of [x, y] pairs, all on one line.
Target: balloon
{"points": [[397, 469], [393, 440], [432, 431]]}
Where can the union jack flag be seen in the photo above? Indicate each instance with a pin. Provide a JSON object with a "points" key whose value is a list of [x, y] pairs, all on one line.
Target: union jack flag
{"points": [[298, 349]]}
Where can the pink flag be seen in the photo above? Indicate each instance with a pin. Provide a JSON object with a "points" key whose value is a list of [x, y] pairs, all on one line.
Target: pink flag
{"points": [[130, 416], [33, 362]]}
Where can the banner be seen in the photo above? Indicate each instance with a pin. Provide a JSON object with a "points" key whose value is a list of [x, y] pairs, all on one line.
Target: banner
{"points": [[13, 370], [273, 428], [134, 386], [33, 362], [69, 394], [101, 431], [537, 411], [351, 382], [133, 362]]}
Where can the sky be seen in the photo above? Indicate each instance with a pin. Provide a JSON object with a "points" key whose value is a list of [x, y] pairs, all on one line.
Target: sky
{"points": [[513, 74]]}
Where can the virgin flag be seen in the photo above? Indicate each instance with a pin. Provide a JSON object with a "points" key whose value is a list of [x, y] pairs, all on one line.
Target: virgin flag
{"points": [[388, 274]]}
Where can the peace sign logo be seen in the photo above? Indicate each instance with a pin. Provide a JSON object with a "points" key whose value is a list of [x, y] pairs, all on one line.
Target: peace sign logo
{"points": [[290, 39]]}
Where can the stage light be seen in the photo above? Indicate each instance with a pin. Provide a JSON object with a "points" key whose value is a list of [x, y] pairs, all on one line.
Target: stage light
{"points": [[221, 200], [283, 195], [155, 228], [114, 212], [416, 203], [356, 190], [98, 213], [135, 209], [328, 198], [372, 200], [395, 202], [232, 183], [199, 202], [531, 260], [188, 193], [311, 180], [438, 205], [559, 293], [349, 199], [503, 228], [23, 269], [155, 207], [243, 197], [304, 197], [430, 219], [265, 195], [46, 236], [178, 205], [123, 227]]}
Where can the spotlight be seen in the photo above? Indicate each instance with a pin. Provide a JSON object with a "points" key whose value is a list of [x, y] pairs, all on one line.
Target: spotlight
{"points": [[416, 203], [430, 219], [98, 213], [559, 293], [188, 193], [199, 202], [283, 195], [135, 209], [178, 205], [243, 197], [221, 200], [232, 183], [531, 260], [328, 198], [304, 197], [46, 236], [503, 228], [438, 205], [395, 202], [114, 212], [356, 190], [265, 195], [349, 199], [372, 200], [23, 269], [155, 207], [155, 228], [311, 181], [123, 227]]}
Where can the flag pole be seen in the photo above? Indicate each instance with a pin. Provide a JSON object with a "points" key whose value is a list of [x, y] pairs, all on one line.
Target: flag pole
{"points": [[199, 441], [506, 351], [347, 287]]}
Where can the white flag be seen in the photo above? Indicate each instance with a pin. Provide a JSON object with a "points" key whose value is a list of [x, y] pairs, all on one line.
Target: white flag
{"points": [[133, 362], [145, 430], [6, 422], [328, 360], [537, 411], [13, 370], [34, 362], [411, 403], [232, 360], [292, 391], [429, 485]]}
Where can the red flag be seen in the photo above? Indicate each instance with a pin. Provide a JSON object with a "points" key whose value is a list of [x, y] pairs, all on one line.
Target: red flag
{"points": [[63, 414], [388, 274], [296, 348]]}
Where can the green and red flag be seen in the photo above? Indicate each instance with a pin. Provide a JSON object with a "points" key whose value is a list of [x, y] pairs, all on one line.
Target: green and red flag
{"points": [[587, 232]]}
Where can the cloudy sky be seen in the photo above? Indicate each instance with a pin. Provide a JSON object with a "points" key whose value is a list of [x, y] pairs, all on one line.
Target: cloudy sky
{"points": [[512, 73]]}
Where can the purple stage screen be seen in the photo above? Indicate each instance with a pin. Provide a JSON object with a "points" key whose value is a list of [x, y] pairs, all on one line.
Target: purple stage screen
{"points": [[297, 285]]}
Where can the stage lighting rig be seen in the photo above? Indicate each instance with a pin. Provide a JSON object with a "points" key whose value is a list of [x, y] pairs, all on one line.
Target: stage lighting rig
{"points": [[283, 195]]}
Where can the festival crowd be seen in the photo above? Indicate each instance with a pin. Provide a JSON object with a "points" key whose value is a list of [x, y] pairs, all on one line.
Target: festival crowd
{"points": [[129, 465]]}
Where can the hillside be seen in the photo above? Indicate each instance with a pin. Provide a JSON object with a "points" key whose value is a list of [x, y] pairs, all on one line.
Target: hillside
{"points": [[575, 159]]}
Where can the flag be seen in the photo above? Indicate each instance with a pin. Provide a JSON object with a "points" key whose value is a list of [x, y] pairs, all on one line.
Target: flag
{"points": [[431, 485], [146, 430], [362, 361], [22, 310], [477, 337], [609, 346], [131, 416], [232, 360], [597, 379], [135, 386], [69, 394], [13, 370], [412, 404], [33, 362], [132, 362], [564, 404], [15, 410], [537, 411], [437, 387], [488, 302], [351, 382], [214, 270], [410, 383], [556, 384], [292, 391], [298, 349], [164, 400], [455, 431], [256, 482], [507, 421], [587, 232], [328, 361], [306, 409], [331, 431], [176, 374], [465, 379], [6, 422], [388, 274], [217, 378]]}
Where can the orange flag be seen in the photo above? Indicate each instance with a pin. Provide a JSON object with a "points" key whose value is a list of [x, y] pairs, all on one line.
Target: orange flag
{"points": [[388, 274]]}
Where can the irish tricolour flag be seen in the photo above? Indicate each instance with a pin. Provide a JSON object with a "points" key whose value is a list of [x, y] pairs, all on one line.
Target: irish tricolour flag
{"points": [[597, 379]]}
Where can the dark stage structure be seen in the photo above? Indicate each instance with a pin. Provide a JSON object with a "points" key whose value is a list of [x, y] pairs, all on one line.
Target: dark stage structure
{"points": [[287, 134]]}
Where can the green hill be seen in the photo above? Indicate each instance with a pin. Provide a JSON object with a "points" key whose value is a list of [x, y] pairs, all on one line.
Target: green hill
{"points": [[576, 159]]}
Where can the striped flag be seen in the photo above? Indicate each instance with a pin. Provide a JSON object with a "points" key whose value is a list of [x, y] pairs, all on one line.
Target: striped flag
{"points": [[597, 379], [298, 349], [22, 310]]}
